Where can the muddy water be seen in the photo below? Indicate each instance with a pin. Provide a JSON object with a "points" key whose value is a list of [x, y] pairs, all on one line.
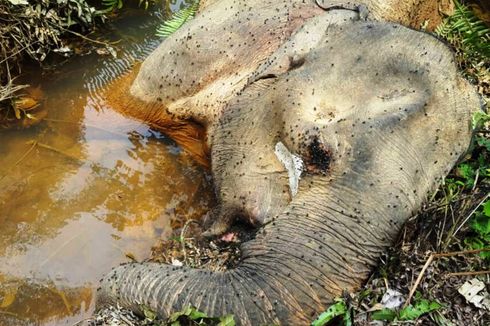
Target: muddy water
{"points": [[86, 189]]}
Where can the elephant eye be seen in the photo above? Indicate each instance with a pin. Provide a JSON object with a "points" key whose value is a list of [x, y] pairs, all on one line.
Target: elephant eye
{"points": [[318, 157]]}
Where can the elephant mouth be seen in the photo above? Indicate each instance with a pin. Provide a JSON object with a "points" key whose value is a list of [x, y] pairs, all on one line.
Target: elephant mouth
{"points": [[188, 246]]}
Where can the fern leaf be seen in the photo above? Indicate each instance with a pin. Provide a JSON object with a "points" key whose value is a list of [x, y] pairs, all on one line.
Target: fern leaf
{"points": [[463, 28], [111, 5], [178, 19]]}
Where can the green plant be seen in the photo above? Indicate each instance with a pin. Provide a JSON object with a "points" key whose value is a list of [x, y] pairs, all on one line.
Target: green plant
{"points": [[479, 119], [188, 316], [200, 318], [338, 309], [465, 29], [178, 19], [111, 5], [477, 166], [480, 227], [470, 38], [410, 312]]}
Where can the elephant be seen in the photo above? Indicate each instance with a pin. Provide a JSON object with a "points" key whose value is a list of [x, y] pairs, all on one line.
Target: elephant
{"points": [[326, 131]]}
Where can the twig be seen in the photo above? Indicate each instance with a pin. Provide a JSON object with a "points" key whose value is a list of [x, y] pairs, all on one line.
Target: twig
{"points": [[34, 143], [19, 51], [386, 283], [182, 239], [89, 39], [476, 179], [8, 313], [86, 125], [419, 278], [8, 91], [468, 273], [69, 156], [78, 323], [429, 261], [463, 252], [471, 213], [430, 207]]}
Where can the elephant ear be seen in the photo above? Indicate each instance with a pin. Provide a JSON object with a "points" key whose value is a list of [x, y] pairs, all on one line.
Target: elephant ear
{"points": [[291, 55], [358, 6], [388, 107], [200, 67]]}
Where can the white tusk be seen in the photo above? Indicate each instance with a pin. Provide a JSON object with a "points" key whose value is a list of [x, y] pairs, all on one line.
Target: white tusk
{"points": [[293, 164]]}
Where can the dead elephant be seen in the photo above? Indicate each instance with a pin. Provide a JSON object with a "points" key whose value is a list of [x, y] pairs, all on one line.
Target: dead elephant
{"points": [[327, 128]]}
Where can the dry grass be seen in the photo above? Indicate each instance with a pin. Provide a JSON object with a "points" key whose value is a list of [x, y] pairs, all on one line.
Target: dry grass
{"points": [[31, 31]]}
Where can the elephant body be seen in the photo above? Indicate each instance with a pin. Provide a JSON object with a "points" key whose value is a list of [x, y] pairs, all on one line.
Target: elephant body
{"points": [[375, 113]]}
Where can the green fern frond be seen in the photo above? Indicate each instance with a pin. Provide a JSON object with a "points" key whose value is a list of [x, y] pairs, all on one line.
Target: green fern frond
{"points": [[111, 5], [178, 19], [465, 30]]}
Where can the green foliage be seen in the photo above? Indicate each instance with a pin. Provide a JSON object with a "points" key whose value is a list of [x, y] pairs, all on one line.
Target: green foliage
{"points": [[479, 119], [483, 142], [149, 314], [476, 170], [178, 19], [188, 316], [111, 5], [421, 307], [384, 314], [466, 30], [478, 164], [480, 227], [468, 173], [199, 318], [470, 37], [411, 312], [336, 310]]}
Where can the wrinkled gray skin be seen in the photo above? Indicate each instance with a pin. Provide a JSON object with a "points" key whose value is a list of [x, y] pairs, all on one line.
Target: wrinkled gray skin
{"points": [[378, 113]]}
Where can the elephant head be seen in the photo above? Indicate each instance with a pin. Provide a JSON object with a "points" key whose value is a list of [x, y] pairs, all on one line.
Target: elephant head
{"points": [[376, 112]]}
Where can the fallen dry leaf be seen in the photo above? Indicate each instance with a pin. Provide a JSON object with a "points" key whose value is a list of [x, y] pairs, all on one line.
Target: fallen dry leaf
{"points": [[473, 292]]}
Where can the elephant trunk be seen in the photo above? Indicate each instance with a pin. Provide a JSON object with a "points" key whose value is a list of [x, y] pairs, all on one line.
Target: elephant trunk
{"points": [[292, 270]]}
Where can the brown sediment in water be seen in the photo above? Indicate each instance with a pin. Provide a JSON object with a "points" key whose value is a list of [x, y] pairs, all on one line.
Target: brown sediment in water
{"points": [[25, 109], [85, 190], [189, 135]]}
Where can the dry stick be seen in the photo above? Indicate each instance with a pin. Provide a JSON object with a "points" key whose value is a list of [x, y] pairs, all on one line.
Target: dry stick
{"points": [[476, 179], [86, 125], [429, 261], [19, 51], [89, 39], [470, 214], [468, 273], [8, 91], [182, 239], [8, 313], [34, 143], [419, 278], [53, 149], [78, 323], [457, 253]]}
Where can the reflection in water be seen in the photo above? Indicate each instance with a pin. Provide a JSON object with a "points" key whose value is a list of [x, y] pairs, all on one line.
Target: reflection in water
{"points": [[84, 190]]}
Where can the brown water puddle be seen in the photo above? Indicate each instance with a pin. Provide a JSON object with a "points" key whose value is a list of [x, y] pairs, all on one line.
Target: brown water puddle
{"points": [[83, 191]]}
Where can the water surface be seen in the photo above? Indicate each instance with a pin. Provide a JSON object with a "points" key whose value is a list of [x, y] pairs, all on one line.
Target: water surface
{"points": [[87, 188]]}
